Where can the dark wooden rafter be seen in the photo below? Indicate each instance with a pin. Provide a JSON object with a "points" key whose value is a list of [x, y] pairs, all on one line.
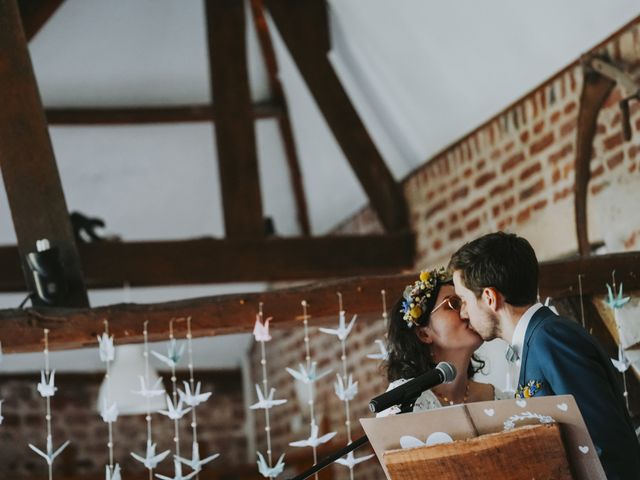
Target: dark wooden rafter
{"points": [[303, 25], [143, 115], [21, 330], [235, 134], [110, 264], [284, 123], [31, 179], [595, 90], [35, 13]]}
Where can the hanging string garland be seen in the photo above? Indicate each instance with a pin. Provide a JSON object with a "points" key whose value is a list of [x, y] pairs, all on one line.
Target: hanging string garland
{"points": [[175, 409], [47, 389], [308, 376], [382, 344], [266, 401], [616, 303], [150, 459], [346, 389], [108, 410], [191, 396]]}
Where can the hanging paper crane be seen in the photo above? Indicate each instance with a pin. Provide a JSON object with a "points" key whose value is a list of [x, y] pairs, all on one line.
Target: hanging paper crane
{"points": [[193, 399], [178, 473], [313, 440], [174, 412], [109, 414], [151, 460], [1, 417], [383, 355], [47, 386], [173, 354], [616, 302], [154, 391], [115, 475], [350, 461], [261, 330], [342, 332], [305, 376], [272, 472], [195, 463], [348, 393], [50, 455], [268, 402], [622, 363], [106, 349]]}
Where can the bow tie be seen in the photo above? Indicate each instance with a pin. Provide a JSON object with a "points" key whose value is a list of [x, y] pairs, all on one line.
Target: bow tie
{"points": [[511, 355]]}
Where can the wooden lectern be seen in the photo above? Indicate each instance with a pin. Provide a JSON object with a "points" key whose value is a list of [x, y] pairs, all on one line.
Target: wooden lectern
{"points": [[538, 438]]}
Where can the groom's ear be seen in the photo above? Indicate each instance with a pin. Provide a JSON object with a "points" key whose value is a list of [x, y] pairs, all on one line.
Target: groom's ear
{"points": [[492, 298]]}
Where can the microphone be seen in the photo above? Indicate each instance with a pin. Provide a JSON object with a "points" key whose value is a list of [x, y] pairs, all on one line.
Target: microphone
{"points": [[408, 391]]}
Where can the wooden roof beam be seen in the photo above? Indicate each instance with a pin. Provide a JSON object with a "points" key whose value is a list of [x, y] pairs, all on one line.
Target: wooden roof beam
{"points": [[29, 170], [303, 25], [144, 115], [35, 13], [235, 135], [21, 330], [185, 262]]}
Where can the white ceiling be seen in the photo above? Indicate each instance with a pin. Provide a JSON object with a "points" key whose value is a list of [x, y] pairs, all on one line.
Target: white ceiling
{"points": [[421, 74]]}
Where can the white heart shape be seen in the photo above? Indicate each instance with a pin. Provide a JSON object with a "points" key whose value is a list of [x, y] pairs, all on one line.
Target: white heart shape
{"points": [[489, 412], [438, 437], [584, 449], [521, 403], [407, 441], [563, 406]]}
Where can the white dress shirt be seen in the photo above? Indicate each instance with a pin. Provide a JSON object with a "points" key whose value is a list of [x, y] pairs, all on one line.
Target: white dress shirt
{"points": [[517, 342]]}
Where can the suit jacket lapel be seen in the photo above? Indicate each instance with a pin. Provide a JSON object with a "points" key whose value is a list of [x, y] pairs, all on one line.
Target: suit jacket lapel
{"points": [[534, 323]]}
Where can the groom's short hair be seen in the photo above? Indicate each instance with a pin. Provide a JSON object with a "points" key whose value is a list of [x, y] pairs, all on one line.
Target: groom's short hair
{"points": [[500, 260]]}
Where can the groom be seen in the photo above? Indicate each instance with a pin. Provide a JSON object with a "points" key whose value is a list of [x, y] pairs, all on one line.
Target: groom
{"points": [[496, 276]]}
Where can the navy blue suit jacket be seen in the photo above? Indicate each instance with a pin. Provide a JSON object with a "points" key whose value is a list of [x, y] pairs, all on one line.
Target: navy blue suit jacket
{"points": [[560, 354]]}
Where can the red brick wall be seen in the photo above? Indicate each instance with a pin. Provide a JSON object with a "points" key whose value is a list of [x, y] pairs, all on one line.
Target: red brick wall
{"points": [[221, 427]]}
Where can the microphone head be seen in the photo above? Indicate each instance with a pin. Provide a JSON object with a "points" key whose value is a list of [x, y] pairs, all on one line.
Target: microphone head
{"points": [[448, 371]]}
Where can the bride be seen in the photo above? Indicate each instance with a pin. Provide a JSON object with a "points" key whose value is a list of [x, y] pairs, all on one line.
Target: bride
{"points": [[425, 328]]}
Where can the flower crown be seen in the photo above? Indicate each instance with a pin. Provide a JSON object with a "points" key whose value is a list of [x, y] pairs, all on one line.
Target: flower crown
{"points": [[416, 296]]}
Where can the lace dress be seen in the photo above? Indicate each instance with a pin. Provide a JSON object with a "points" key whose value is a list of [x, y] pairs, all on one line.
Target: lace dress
{"points": [[428, 400]]}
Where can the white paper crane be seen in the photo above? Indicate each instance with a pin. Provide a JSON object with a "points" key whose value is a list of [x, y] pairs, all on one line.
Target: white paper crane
{"points": [[305, 376], [313, 440], [47, 386], [195, 463], [342, 332], [154, 391], [1, 417], [347, 393], [350, 461], [151, 460], [261, 330], [105, 348], [178, 473], [50, 455], [109, 414], [268, 402], [193, 399], [383, 355], [115, 475], [274, 471], [173, 354], [622, 363], [174, 412]]}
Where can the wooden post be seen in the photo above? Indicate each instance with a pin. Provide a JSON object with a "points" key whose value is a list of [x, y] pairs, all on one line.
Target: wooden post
{"points": [[31, 179]]}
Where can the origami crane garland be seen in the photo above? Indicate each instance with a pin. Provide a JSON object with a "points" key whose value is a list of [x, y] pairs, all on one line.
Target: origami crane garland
{"points": [[266, 401], [308, 376], [47, 389]]}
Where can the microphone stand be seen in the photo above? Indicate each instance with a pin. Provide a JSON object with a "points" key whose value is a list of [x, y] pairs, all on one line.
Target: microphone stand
{"points": [[404, 408]]}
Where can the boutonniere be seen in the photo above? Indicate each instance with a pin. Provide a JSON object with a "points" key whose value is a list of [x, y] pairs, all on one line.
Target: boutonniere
{"points": [[529, 390]]}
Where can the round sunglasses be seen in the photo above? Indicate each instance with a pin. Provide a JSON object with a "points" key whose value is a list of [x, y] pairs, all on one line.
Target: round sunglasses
{"points": [[453, 302]]}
